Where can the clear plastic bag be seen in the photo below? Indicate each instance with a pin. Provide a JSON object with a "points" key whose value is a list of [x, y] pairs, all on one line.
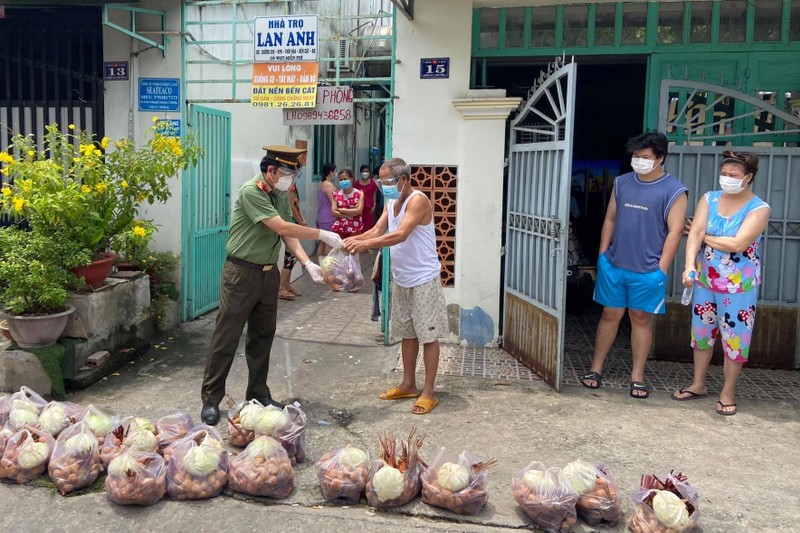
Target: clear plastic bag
{"points": [[293, 436], [172, 428], [241, 433], [598, 492], [456, 482], [395, 480], [137, 478], [262, 469], [201, 431], [5, 434], [57, 416], [21, 409], [26, 455], [644, 519], [75, 462], [546, 497], [341, 271], [343, 473], [198, 467], [99, 422], [127, 433]]}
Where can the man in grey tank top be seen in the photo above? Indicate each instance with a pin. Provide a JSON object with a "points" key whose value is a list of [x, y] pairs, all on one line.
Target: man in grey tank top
{"points": [[641, 233]]}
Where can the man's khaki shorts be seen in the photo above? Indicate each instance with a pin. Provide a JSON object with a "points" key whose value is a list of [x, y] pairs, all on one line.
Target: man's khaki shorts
{"points": [[419, 312]]}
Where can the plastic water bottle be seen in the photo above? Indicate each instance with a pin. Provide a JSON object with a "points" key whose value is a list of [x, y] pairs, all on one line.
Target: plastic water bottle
{"points": [[686, 297]]}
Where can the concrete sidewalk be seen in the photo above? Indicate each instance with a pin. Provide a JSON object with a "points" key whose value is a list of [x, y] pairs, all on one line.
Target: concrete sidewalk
{"points": [[330, 358]]}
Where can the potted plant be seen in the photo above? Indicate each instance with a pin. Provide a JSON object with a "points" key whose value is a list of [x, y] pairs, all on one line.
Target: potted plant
{"points": [[87, 190], [35, 274], [131, 245]]}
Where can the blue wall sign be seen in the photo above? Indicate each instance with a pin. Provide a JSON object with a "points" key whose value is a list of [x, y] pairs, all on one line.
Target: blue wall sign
{"points": [[115, 70], [159, 94], [434, 67], [170, 127]]}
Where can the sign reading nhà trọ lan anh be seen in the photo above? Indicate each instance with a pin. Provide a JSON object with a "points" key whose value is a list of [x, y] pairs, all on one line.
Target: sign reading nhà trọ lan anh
{"points": [[282, 39]]}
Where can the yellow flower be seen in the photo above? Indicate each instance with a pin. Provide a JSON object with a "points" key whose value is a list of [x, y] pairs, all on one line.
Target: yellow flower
{"points": [[76, 159], [71, 126], [18, 203], [85, 148], [101, 187], [31, 153], [154, 119], [141, 198], [6, 158], [104, 143], [4, 171], [177, 150], [26, 185], [139, 231], [6, 191], [97, 152], [86, 189], [124, 184]]}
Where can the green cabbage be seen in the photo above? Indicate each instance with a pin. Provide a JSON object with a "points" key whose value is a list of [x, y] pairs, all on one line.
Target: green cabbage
{"points": [[122, 464], [82, 443], [99, 423], [145, 424], [20, 418], [270, 420], [581, 476], [670, 510], [53, 419], [201, 460], [263, 447], [141, 439], [452, 476], [32, 455], [538, 481], [387, 483], [249, 414], [352, 457]]}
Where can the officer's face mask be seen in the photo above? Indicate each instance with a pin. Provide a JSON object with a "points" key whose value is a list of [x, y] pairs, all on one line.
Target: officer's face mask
{"points": [[286, 179]]}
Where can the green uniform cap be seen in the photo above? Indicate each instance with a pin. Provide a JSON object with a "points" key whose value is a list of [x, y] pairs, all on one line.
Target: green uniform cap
{"points": [[286, 155]]}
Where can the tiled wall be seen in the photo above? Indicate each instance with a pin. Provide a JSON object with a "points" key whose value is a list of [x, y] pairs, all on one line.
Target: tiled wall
{"points": [[440, 183]]}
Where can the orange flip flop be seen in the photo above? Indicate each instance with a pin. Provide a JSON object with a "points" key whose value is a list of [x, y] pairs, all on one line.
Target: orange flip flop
{"points": [[427, 405], [395, 393]]}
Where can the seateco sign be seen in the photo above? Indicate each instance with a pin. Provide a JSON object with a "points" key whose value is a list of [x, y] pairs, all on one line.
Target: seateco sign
{"points": [[285, 39]]}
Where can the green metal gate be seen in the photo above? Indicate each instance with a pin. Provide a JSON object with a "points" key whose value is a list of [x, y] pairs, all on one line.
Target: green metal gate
{"points": [[206, 211]]}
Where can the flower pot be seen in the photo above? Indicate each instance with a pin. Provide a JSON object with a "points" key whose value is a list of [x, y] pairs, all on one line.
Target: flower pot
{"points": [[127, 267], [96, 272], [37, 331]]}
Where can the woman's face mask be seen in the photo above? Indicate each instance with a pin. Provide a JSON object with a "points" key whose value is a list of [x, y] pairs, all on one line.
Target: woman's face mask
{"points": [[732, 185], [345, 184], [364, 175]]}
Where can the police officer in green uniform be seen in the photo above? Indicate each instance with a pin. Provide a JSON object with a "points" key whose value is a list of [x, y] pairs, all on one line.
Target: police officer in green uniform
{"points": [[251, 277]]}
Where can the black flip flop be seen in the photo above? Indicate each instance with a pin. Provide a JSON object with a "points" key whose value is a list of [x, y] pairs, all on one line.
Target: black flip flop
{"points": [[640, 386], [721, 412], [594, 376], [692, 395]]}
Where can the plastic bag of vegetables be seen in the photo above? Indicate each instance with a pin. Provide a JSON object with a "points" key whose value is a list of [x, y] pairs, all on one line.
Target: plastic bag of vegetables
{"points": [[26, 455], [99, 422], [136, 478], [21, 409], [75, 462], [57, 416], [395, 480], [128, 433], [203, 432], [545, 495], [457, 482], [288, 426], [262, 469], [343, 474], [668, 506], [172, 428], [341, 271], [198, 467], [598, 493], [241, 421], [5, 434]]}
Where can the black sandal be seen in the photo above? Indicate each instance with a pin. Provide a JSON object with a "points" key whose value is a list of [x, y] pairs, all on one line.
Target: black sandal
{"points": [[594, 376], [639, 386]]}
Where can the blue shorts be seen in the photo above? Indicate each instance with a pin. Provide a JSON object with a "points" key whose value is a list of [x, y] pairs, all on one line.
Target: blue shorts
{"points": [[617, 287], [731, 316]]}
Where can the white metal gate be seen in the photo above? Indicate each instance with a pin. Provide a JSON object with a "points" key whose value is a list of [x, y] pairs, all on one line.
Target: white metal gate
{"points": [[539, 175]]}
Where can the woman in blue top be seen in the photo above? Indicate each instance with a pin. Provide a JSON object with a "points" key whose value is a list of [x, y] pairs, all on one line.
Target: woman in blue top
{"points": [[723, 263]]}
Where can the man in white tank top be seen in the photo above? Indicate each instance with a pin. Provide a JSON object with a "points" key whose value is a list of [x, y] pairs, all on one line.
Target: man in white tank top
{"points": [[419, 311]]}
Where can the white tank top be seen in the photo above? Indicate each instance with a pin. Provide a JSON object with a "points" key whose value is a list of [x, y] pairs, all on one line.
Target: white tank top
{"points": [[414, 261]]}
